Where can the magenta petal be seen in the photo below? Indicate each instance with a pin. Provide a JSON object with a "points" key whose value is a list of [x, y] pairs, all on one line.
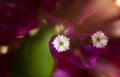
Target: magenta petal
{"points": [[51, 47], [70, 29], [84, 57], [60, 73], [114, 48], [17, 17], [92, 61], [81, 60], [89, 49], [91, 54]]}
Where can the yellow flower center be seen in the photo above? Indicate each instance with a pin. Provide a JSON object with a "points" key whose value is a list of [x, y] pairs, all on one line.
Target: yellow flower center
{"points": [[98, 39], [61, 43]]}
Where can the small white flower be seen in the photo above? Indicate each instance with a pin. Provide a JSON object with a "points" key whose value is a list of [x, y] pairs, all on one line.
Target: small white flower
{"points": [[61, 43], [99, 39]]}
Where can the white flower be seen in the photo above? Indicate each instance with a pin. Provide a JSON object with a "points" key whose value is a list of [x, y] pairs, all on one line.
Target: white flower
{"points": [[61, 43], [99, 39]]}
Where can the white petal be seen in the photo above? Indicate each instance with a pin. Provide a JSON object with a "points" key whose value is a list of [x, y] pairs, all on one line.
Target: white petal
{"points": [[102, 43], [65, 40]]}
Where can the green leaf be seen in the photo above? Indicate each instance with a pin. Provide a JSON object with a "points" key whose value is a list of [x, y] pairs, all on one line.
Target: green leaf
{"points": [[33, 58]]}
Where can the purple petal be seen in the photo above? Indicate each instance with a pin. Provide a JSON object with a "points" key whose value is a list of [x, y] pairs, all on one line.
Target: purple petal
{"points": [[89, 49], [79, 59], [83, 57], [60, 73], [51, 47], [17, 18], [114, 47]]}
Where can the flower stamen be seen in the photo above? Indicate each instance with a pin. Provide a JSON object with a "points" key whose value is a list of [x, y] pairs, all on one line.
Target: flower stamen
{"points": [[61, 43], [98, 39]]}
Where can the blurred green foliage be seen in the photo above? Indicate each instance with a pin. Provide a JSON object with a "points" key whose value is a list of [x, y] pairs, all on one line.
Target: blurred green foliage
{"points": [[33, 57]]}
